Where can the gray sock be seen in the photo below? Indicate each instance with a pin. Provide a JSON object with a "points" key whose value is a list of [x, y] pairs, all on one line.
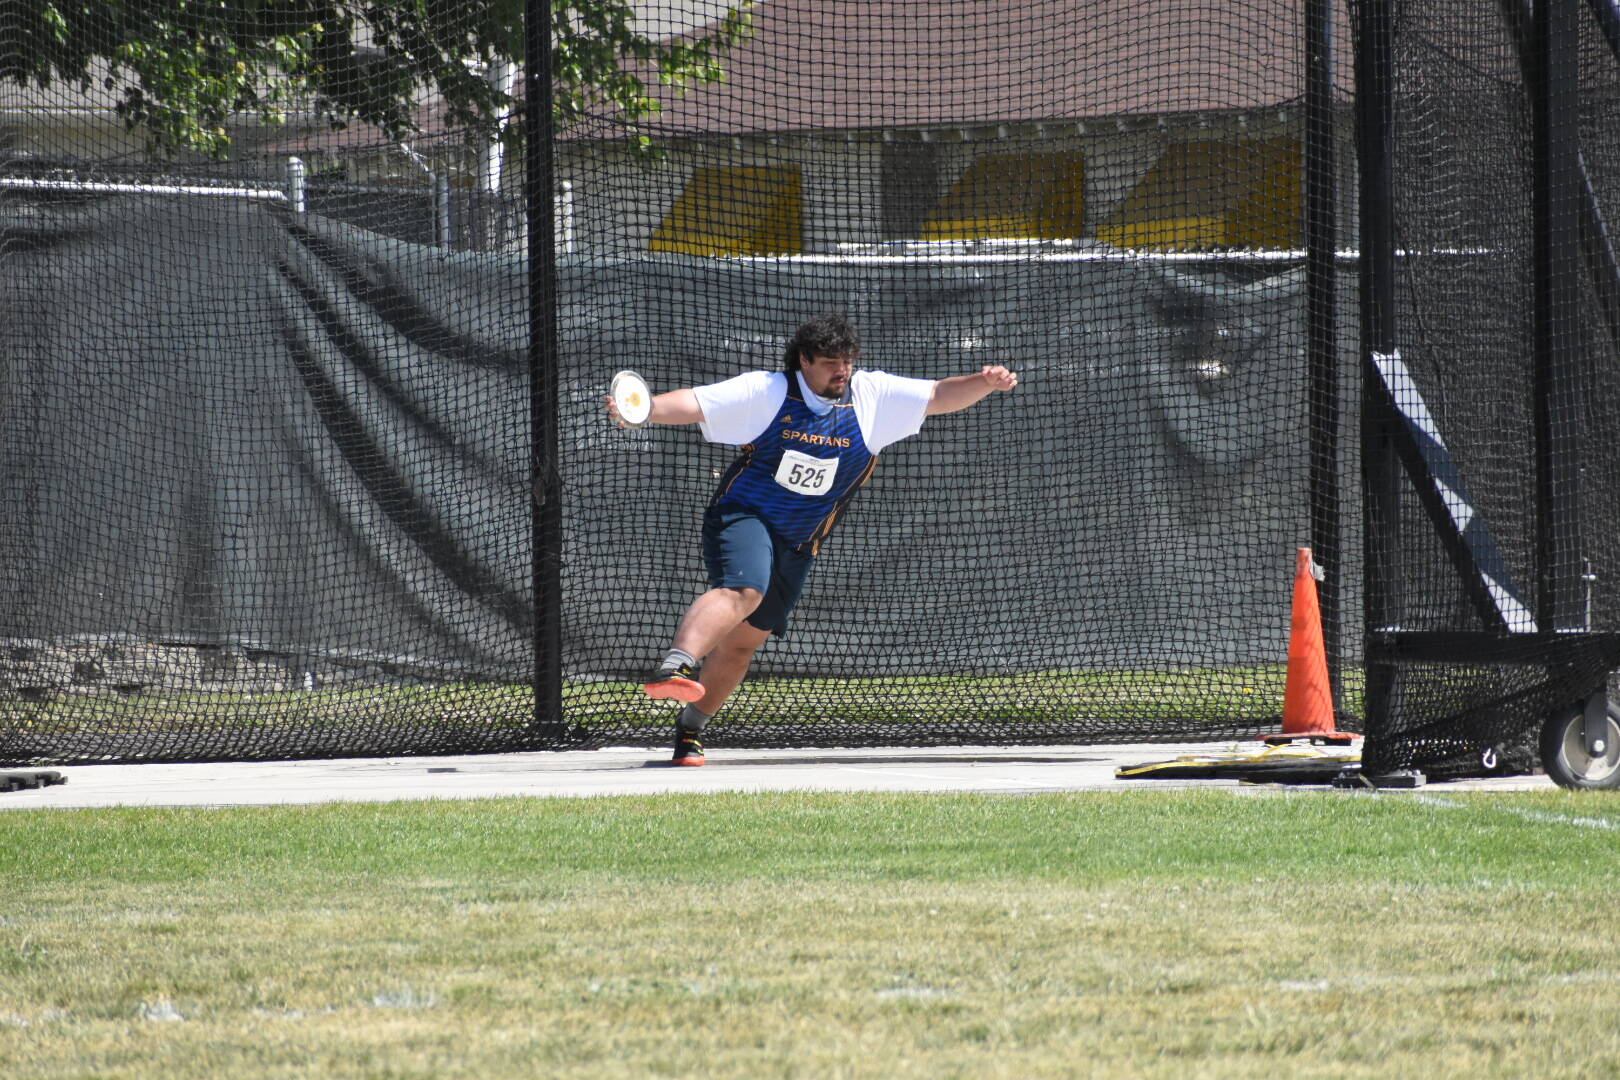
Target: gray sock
{"points": [[675, 658], [692, 719]]}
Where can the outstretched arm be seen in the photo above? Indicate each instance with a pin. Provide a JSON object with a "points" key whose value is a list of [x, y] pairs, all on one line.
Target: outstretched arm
{"points": [[955, 394], [675, 407]]}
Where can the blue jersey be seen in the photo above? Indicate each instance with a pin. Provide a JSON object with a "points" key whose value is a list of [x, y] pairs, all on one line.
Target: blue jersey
{"points": [[802, 471]]}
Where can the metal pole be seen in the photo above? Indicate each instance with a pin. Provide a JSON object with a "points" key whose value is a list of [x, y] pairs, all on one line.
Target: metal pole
{"points": [[546, 482], [296, 174], [502, 78], [1375, 116], [1321, 329], [443, 228], [1554, 96], [1380, 464], [23, 183], [565, 215], [1602, 262]]}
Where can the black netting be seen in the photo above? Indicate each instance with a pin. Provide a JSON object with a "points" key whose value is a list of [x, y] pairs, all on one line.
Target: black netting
{"points": [[265, 426], [1500, 317], [1106, 199], [268, 417]]}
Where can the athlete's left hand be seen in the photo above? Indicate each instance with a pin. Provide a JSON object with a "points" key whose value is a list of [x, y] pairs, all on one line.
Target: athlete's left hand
{"points": [[999, 377]]}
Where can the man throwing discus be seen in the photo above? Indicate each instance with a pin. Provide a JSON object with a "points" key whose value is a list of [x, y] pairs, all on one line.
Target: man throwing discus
{"points": [[809, 437]]}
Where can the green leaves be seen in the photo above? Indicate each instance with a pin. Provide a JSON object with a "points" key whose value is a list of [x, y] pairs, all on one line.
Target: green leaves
{"points": [[184, 69]]}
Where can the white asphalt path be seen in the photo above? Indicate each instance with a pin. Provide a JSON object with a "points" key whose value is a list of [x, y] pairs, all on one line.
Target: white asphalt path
{"points": [[633, 771]]}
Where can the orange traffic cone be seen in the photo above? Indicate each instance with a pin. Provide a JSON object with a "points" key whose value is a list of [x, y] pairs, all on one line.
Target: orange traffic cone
{"points": [[1308, 696]]}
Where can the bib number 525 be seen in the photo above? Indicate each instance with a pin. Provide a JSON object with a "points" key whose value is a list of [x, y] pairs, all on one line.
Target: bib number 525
{"points": [[805, 474]]}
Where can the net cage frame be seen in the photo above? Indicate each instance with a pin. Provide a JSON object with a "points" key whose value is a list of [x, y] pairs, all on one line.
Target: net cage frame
{"points": [[1516, 635], [1376, 451]]}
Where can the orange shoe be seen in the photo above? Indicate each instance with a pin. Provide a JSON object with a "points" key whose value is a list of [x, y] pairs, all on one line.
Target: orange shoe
{"points": [[688, 748], [680, 685]]}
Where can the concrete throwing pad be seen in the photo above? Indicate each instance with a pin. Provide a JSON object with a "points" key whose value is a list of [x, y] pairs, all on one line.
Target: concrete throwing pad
{"points": [[629, 771]]}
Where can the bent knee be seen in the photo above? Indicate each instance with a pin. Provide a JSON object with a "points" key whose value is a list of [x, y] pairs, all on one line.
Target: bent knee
{"points": [[746, 597]]}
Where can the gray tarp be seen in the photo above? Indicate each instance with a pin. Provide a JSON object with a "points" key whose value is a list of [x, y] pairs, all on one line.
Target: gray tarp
{"points": [[224, 425], [1136, 501]]}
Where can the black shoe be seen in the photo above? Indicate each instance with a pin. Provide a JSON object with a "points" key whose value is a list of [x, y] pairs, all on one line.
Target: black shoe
{"points": [[688, 748], [680, 684]]}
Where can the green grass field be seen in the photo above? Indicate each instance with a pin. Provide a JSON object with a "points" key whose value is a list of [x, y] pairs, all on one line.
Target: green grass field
{"points": [[1147, 933]]}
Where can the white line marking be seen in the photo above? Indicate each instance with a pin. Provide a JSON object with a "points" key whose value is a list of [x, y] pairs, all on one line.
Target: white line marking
{"points": [[1544, 816]]}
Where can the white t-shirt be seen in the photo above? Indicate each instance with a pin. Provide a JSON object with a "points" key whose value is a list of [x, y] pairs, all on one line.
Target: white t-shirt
{"points": [[887, 407]]}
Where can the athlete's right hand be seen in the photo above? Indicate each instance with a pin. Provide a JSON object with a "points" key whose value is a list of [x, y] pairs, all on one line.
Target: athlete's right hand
{"points": [[999, 377]]}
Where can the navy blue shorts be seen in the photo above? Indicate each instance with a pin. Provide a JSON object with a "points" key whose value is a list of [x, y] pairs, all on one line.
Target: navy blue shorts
{"points": [[741, 553]]}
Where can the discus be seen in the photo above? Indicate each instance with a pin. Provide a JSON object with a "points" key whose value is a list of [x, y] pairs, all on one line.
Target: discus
{"points": [[632, 398]]}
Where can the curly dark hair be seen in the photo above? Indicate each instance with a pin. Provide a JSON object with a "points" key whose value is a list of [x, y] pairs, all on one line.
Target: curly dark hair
{"points": [[828, 334]]}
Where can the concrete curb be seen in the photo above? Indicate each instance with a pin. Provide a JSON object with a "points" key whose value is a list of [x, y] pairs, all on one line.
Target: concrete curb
{"points": [[636, 771]]}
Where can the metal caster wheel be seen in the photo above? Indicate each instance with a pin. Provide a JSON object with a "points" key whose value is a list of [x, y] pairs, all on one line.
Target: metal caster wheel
{"points": [[1580, 749]]}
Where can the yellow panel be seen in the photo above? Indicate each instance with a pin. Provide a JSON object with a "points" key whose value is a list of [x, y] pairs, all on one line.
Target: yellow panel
{"points": [[1242, 194], [729, 210], [988, 227], [1013, 197], [1064, 209], [1271, 213], [1166, 233]]}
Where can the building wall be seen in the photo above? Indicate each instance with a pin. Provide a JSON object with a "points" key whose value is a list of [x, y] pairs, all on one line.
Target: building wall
{"points": [[854, 189], [873, 187]]}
